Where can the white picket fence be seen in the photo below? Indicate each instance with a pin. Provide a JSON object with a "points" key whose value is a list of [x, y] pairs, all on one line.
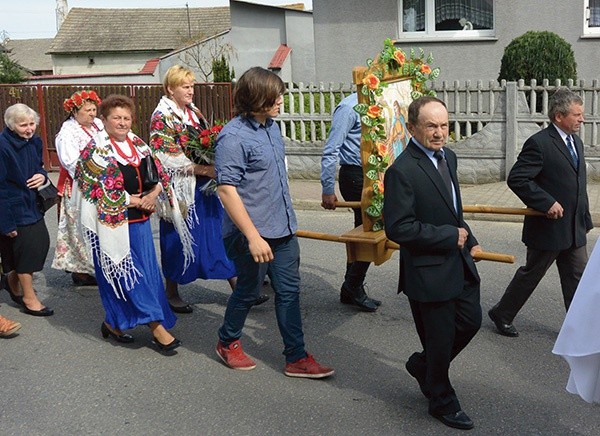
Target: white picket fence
{"points": [[308, 108], [307, 111]]}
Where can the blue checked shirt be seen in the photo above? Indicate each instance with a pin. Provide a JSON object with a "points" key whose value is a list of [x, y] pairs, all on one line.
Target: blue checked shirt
{"points": [[251, 157], [343, 142]]}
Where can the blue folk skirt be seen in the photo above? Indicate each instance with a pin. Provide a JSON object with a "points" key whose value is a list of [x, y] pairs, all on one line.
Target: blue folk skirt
{"points": [[147, 301], [211, 261]]}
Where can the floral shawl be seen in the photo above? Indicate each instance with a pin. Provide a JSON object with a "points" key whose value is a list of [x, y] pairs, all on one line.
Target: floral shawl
{"points": [[168, 138], [99, 195]]}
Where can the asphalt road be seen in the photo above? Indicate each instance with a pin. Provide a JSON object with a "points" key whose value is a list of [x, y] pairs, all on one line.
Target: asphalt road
{"points": [[59, 377]]}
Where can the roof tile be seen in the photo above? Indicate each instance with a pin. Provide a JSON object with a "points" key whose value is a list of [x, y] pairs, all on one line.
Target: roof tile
{"points": [[31, 53], [111, 30]]}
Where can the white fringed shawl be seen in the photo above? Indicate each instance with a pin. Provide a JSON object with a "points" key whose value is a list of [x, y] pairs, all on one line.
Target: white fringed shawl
{"points": [[102, 202]]}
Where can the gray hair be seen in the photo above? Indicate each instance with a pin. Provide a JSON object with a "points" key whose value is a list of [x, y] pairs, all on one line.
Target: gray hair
{"points": [[560, 102], [17, 113]]}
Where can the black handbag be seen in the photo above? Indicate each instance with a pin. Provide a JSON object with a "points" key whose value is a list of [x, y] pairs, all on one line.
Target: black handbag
{"points": [[150, 177], [47, 196]]}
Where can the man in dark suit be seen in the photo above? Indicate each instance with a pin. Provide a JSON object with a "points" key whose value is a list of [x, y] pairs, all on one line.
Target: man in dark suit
{"points": [[550, 176], [437, 272]]}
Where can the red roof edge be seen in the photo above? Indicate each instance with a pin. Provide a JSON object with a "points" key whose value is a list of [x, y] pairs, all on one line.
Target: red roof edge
{"points": [[150, 66], [279, 57]]}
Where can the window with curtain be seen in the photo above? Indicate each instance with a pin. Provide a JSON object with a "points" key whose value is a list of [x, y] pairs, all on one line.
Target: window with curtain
{"points": [[592, 15], [444, 18]]}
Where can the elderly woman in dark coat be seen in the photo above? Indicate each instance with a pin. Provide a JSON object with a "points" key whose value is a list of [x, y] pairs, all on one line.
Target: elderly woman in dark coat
{"points": [[24, 239]]}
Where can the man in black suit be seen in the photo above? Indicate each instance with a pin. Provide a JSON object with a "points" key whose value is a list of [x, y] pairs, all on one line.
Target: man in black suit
{"points": [[437, 273], [550, 176]]}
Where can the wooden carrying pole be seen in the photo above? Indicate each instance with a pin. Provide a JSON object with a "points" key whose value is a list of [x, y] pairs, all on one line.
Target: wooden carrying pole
{"points": [[483, 255], [468, 209], [502, 210]]}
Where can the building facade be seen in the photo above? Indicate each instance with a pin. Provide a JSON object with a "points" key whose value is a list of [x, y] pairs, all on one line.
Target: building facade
{"points": [[466, 37]]}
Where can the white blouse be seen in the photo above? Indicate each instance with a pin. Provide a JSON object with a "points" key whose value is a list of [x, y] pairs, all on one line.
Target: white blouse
{"points": [[71, 139]]}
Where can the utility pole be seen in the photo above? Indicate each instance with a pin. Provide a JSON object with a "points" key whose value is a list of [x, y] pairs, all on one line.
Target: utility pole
{"points": [[189, 23]]}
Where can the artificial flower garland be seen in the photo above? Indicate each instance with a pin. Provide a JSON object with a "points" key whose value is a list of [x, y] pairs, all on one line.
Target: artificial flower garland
{"points": [[392, 62], [76, 101]]}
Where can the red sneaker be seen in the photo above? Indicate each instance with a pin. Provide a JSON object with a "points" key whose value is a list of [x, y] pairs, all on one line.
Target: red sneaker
{"points": [[307, 367], [234, 357]]}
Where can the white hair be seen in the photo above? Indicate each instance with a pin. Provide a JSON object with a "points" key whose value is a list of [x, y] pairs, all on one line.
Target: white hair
{"points": [[17, 113]]}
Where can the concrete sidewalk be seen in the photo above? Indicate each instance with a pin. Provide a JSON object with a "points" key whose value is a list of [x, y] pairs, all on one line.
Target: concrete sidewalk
{"points": [[306, 194]]}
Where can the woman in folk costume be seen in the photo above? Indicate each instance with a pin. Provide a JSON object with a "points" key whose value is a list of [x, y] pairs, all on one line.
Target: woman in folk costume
{"points": [[174, 123], [117, 196], [71, 254]]}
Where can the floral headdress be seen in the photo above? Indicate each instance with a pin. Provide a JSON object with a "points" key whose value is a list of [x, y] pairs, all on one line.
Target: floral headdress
{"points": [[79, 98]]}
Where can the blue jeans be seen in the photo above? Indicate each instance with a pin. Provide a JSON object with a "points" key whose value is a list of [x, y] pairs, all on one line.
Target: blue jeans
{"points": [[283, 271]]}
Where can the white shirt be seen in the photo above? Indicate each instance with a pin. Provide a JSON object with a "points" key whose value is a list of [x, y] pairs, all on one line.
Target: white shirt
{"points": [[71, 139]]}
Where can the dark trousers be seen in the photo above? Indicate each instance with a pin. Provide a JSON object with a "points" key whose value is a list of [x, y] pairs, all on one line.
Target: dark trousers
{"points": [[351, 183], [570, 264], [444, 328], [284, 273]]}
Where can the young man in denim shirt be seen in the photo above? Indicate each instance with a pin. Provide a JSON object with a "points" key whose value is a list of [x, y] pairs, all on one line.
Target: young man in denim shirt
{"points": [[259, 229]]}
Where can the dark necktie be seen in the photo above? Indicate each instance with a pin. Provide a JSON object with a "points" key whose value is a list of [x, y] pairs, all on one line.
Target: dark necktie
{"points": [[571, 148], [443, 170]]}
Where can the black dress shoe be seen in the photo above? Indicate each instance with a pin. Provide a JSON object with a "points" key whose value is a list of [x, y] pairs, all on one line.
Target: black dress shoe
{"points": [[503, 328], [46, 311], [182, 309], [262, 299], [83, 279], [377, 302], [456, 420], [419, 376], [123, 337], [5, 285], [167, 348], [364, 303], [362, 290]]}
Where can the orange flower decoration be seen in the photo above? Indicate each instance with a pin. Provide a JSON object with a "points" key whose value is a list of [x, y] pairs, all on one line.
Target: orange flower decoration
{"points": [[378, 185], [371, 81], [399, 56], [382, 148], [425, 69], [374, 111]]}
